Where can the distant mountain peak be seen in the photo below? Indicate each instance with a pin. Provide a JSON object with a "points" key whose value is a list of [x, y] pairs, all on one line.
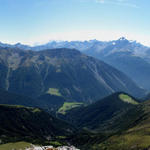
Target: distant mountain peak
{"points": [[17, 44], [122, 39]]}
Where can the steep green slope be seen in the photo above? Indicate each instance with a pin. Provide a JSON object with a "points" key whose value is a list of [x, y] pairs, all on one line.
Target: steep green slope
{"points": [[104, 115], [19, 123], [137, 137], [63, 72], [133, 133]]}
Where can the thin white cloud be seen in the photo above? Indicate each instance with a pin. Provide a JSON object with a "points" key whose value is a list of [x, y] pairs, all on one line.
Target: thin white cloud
{"points": [[118, 2]]}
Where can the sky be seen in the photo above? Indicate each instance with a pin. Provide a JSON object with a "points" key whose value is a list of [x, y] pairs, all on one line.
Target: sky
{"points": [[39, 21]]}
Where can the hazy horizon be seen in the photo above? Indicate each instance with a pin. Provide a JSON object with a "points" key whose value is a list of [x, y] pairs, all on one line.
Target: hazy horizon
{"points": [[38, 44], [39, 21]]}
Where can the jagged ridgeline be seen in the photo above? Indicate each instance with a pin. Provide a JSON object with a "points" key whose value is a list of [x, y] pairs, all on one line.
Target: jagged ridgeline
{"points": [[130, 57], [65, 73]]}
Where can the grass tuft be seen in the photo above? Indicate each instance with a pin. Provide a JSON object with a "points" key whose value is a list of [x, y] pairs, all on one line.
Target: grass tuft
{"points": [[68, 106], [128, 99], [54, 91]]}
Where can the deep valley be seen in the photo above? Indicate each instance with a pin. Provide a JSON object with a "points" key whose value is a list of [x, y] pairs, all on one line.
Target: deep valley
{"points": [[62, 97]]}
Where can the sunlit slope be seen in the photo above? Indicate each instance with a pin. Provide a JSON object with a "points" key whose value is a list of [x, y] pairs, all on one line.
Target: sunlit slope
{"points": [[104, 115]]}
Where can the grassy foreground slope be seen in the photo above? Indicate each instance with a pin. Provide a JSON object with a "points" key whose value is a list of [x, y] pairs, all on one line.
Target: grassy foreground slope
{"points": [[137, 137], [19, 123], [16, 146], [133, 130]]}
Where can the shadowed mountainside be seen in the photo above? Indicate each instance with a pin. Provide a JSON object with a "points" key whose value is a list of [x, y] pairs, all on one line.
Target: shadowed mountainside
{"points": [[25, 123], [61, 72]]}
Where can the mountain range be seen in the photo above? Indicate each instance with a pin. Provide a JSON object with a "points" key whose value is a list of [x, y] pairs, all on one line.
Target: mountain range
{"points": [[62, 72], [64, 96], [130, 57]]}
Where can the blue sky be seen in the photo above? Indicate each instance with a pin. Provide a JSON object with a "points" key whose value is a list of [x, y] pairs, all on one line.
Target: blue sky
{"points": [[39, 21]]}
